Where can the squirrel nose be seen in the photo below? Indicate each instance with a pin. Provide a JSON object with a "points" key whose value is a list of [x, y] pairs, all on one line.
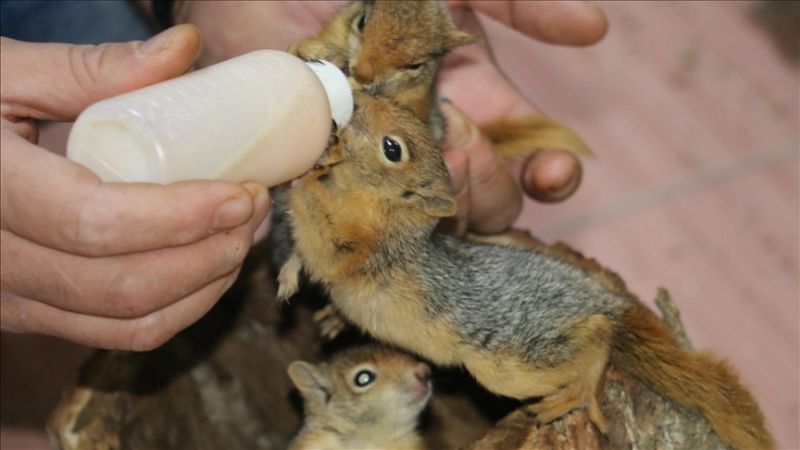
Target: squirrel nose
{"points": [[363, 72]]}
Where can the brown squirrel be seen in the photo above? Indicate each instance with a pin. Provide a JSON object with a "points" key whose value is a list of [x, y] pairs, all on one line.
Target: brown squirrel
{"points": [[524, 323], [394, 49], [365, 397]]}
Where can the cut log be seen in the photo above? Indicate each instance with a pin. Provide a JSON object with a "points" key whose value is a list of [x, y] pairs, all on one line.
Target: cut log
{"points": [[222, 383]]}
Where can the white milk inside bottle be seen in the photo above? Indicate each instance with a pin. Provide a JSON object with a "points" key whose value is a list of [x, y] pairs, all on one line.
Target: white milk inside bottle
{"points": [[263, 116]]}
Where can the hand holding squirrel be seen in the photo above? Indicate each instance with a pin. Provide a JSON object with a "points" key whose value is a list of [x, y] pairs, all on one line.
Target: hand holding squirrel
{"points": [[483, 179], [395, 50]]}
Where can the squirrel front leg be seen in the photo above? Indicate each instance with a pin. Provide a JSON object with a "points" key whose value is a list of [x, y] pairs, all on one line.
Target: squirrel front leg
{"points": [[289, 277]]}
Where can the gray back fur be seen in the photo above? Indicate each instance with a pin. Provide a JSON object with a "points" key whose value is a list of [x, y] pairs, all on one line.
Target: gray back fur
{"points": [[499, 297]]}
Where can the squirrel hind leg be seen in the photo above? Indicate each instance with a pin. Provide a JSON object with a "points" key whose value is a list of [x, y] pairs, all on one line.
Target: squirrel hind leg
{"points": [[579, 393], [584, 376]]}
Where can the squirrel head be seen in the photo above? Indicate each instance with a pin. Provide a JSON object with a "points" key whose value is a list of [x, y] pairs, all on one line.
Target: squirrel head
{"points": [[362, 386], [396, 44], [385, 162]]}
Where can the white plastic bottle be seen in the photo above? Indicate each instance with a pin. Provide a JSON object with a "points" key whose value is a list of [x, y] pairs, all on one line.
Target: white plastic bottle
{"points": [[263, 116]]}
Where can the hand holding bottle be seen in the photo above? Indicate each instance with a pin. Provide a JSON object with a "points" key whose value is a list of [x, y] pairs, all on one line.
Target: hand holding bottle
{"points": [[106, 264]]}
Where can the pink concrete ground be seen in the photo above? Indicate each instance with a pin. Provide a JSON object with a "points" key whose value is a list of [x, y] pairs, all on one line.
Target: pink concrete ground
{"points": [[694, 118]]}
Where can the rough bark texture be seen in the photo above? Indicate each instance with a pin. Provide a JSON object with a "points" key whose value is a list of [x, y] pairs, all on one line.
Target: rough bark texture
{"points": [[222, 383]]}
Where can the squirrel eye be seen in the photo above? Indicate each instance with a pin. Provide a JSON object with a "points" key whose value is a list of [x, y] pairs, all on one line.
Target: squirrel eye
{"points": [[392, 149], [413, 66], [361, 22], [364, 378]]}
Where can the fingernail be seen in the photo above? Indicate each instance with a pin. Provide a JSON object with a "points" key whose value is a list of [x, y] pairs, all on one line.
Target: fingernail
{"points": [[255, 189], [261, 203], [158, 42], [551, 175], [458, 166], [459, 129], [233, 212], [260, 196]]}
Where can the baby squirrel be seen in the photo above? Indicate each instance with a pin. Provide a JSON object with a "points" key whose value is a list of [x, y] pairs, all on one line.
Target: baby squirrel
{"points": [[394, 49], [524, 323], [366, 397]]}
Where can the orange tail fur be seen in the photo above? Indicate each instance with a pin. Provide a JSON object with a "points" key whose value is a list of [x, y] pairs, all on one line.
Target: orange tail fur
{"points": [[644, 348], [522, 136]]}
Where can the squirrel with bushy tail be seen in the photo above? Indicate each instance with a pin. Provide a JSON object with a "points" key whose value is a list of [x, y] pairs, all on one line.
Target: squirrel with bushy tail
{"points": [[525, 323]]}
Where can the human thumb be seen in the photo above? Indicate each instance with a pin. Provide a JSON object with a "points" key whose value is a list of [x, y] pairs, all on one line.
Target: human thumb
{"points": [[495, 199], [57, 81]]}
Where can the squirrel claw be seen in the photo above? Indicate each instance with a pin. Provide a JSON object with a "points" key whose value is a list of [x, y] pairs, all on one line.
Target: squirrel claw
{"points": [[289, 278], [285, 292], [331, 155], [330, 322], [560, 403]]}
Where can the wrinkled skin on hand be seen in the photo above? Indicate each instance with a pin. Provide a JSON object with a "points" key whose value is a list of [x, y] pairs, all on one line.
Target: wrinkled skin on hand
{"points": [[112, 265]]}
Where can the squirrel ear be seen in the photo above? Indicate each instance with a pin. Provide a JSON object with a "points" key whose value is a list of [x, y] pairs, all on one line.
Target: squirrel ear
{"points": [[456, 38], [438, 205], [433, 197], [313, 385]]}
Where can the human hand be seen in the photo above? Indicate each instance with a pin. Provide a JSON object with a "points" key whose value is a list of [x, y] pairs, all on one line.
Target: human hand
{"points": [[106, 264], [488, 196]]}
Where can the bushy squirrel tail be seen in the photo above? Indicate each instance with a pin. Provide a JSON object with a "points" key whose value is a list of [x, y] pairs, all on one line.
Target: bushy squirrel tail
{"points": [[644, 348], [522, 136]]}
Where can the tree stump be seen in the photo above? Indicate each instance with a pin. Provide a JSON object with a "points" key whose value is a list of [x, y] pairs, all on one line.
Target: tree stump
{"points": [[222, 383]]}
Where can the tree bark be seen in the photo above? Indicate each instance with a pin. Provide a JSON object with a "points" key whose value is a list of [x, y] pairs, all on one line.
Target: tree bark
{"points": [[222, 383]]}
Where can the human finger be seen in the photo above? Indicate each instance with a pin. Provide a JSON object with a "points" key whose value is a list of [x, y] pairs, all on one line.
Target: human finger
{"points": [[551, 175], [556, 22], [20, 314], [60, 204], [124, 286], [545, 178], [458, 165], [495, 199], [57, 81], [288, 22]]}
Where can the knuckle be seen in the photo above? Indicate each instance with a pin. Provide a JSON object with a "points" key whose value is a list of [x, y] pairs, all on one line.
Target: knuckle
{"points": [[84, 65], [130, 295], [85, 228], [149, 333], [490, 173]]}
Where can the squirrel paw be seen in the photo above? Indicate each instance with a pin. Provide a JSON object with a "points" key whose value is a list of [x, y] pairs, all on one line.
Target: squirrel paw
{"points": [[289, 278], [330, 321], [310, 50], [333, 154], [570, 397], [296, 49]]}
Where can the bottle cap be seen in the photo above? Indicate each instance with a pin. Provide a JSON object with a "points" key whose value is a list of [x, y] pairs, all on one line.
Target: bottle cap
{"points": [[340, 96]]}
